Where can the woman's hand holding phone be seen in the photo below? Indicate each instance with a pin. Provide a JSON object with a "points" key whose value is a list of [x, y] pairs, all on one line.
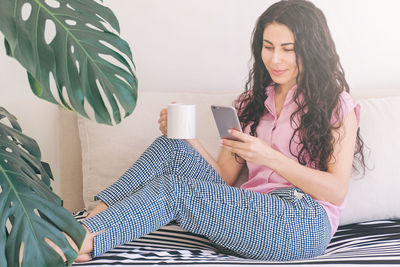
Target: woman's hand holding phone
{"points": [[250, 148]]}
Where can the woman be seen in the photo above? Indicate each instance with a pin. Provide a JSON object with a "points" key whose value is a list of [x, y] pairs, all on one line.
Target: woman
{"points": [[299, 141]]}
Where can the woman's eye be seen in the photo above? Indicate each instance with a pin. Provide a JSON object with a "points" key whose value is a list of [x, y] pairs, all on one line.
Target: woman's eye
{"points": [[288, 49], [268, 47]]}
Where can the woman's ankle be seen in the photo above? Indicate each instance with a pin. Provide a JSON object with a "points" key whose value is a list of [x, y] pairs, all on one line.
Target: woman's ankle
{"points": [[99, 208]]}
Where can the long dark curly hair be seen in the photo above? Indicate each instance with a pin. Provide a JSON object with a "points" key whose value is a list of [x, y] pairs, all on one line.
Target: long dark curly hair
{"points": [[319, 83]]}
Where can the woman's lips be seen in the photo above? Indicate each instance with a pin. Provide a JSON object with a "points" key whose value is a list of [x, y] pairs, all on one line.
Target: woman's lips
{"points": [[277, 72]]}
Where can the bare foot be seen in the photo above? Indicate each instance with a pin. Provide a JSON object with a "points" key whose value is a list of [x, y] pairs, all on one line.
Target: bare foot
{"points": [[86, 248], [83, 253]]}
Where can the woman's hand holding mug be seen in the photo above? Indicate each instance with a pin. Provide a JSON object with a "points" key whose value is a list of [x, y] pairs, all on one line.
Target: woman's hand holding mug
{"points": [[162, 121]]}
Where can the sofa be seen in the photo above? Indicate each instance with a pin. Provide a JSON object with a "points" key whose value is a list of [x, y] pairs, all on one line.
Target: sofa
{"points": [[369, 231]]}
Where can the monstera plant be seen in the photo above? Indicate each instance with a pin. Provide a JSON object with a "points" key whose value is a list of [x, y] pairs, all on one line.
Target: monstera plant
{"points": [[76, 44]]}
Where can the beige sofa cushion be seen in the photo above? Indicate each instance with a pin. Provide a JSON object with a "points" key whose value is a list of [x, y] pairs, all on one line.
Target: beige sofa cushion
{"points": [[375, 196]]}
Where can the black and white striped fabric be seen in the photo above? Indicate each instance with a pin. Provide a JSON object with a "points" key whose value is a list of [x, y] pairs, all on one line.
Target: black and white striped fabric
{"points": [[373, 243]]}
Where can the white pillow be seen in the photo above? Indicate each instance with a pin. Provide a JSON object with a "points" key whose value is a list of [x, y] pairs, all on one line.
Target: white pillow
{"points": [[376, 195], [107, 151]]}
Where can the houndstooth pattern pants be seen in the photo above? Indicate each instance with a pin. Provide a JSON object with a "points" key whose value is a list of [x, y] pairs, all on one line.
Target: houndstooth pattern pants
{"points": [[172, 181]]}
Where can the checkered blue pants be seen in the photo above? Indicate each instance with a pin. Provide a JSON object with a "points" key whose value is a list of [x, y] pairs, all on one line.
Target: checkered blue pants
{"points": [[172, 181]]}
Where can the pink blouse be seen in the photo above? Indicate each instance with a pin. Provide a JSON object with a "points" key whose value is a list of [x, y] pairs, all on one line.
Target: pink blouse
{"points": [[277, 132]]}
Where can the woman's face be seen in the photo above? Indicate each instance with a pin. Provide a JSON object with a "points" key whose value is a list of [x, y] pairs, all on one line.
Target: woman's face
{"points": [[278, 55]]}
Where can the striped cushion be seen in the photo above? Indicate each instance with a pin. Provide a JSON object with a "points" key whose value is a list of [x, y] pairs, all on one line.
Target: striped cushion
{"points": [[375, 242]]}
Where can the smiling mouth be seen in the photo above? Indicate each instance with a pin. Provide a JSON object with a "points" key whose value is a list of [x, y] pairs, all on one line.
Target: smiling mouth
{"points": [[277, 72]]}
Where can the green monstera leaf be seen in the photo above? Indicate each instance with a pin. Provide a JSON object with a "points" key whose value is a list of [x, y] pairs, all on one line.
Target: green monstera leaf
{"points": [[76, 43], [29, 210]]}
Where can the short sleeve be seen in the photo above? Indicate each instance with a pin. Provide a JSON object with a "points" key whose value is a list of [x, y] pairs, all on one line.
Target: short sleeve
{"points": [[345, 105]]}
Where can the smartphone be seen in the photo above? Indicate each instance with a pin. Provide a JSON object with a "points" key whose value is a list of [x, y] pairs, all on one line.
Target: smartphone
{"points": [[226, 118]]}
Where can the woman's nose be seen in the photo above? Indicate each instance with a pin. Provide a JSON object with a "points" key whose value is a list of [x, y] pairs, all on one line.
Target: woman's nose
{"points": [[276, 56]]}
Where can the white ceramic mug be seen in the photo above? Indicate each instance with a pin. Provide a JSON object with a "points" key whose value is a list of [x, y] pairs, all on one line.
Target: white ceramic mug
{"points": [[181, 121]]}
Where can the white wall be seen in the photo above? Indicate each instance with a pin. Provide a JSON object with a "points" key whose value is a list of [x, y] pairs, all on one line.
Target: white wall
{"points": [[200, 45], [196, 45], [37, 118], [367, 38]]}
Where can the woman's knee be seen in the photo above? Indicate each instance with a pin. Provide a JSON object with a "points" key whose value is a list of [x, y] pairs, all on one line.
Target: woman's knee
{"points": [[162, 139], [175, 144]]}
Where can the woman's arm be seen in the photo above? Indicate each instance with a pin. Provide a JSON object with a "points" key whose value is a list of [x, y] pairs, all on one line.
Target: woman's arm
{"points": [[226, 166], [328, 186]]}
